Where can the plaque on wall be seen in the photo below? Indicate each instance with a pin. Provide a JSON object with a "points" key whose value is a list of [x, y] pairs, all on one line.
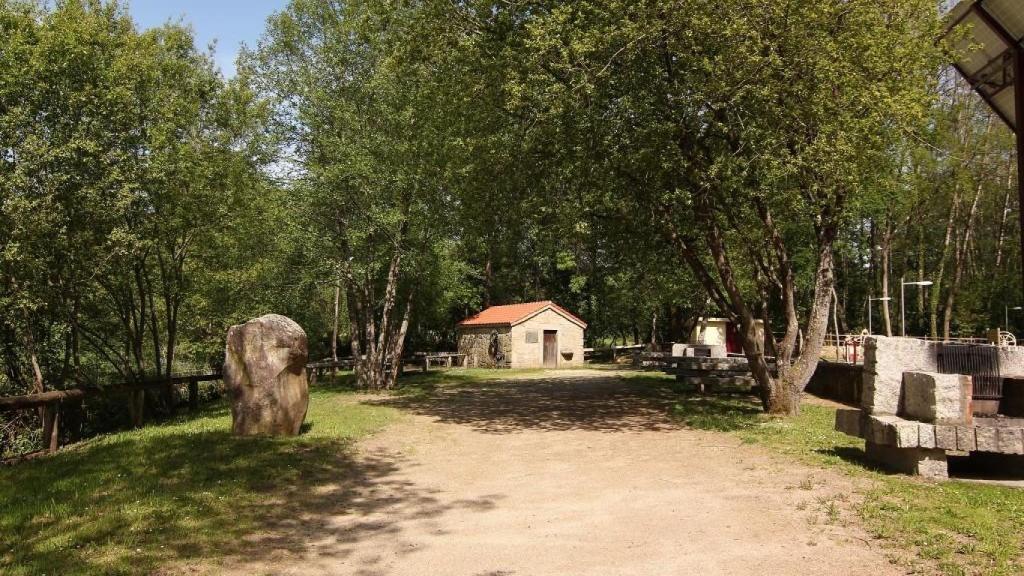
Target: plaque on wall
{"points": [[531, 337]]}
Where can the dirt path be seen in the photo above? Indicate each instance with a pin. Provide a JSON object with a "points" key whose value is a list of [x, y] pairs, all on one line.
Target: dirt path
{"points": [[571, 473]]}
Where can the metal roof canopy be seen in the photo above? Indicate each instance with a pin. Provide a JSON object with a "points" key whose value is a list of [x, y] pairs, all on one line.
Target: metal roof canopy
{"points": [[988, 50], [991, 59]]}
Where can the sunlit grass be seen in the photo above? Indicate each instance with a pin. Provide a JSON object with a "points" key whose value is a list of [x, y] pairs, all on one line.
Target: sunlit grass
{"points": [[126, 503]]}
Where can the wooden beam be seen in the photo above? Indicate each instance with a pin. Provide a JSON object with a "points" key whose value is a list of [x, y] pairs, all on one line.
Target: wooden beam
{"points": [[11, 403]]}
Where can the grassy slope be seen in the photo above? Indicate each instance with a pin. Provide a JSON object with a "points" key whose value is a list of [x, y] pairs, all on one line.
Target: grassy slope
{"points": [[126, 503], [964, 528]]}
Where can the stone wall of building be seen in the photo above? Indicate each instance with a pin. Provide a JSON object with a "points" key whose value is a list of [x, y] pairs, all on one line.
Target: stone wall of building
{"points": [[528, 352], [475, 343]]}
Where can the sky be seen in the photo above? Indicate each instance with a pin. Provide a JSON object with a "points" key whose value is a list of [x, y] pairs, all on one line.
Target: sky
{"points": [[228, 22]]}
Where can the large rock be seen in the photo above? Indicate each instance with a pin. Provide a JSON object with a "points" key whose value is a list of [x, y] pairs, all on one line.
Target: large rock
{"points": [[265, 375]]}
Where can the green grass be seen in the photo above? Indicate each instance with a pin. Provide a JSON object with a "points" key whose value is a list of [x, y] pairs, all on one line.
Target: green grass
{"points": [[127, 503], [958, 527]]}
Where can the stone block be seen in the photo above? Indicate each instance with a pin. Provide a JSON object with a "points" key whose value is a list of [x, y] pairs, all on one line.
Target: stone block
{"points": [[986, 439], [1011, 440], [926, 436], [848, 421], [965, 439], [945, 437], [919, 461], [906, 434], [881, 430], [885, 361], [937, 398]]}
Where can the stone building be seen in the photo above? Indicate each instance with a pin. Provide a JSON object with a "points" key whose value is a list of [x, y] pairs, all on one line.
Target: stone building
{"points": [[528, 335]]}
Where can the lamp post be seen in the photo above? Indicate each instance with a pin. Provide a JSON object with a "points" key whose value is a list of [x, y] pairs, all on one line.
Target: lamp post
{"points": [[1006, 316], [903, 315], [870, 300]]}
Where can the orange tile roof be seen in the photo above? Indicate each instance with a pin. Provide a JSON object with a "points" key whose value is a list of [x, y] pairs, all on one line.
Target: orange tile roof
{"points": [[512, 314]]}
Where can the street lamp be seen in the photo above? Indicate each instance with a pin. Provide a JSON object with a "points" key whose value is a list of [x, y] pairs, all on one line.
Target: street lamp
{"points": [[1006, 316], [903, 316], [870, 300]]}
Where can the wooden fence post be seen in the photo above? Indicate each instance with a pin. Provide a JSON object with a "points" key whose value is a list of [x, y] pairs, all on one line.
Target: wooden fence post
{"points": [[51, 426], [138, 402], [193, 395]]}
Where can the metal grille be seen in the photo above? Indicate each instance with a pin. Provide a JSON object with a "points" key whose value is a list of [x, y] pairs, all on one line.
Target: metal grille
{"points": [[981, 363]]}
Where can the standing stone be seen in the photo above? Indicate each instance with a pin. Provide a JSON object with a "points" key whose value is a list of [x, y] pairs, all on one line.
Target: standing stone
{"points": [[265, 375]]}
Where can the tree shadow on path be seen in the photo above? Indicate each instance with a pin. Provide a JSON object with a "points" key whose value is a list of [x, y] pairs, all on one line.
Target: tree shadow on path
{"points": [[137, 503], [602, 403]]}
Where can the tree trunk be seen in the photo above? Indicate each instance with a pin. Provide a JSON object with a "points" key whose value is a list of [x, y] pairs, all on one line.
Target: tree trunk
{"points": [[961, 248], [1005, 215], [886, 252], [334, 330], [936, 289], [398, 342]]}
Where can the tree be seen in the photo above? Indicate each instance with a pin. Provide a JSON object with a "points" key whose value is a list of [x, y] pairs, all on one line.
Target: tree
{"points": [[715, 119], [123, 156], [354, 86]]}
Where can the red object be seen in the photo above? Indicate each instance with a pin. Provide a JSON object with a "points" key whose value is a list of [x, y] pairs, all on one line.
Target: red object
{"points": [[515, 313], [733, 345], [850, 342]]}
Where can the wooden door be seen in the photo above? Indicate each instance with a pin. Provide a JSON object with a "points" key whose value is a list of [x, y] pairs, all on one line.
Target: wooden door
{"points": [[550, 349]]}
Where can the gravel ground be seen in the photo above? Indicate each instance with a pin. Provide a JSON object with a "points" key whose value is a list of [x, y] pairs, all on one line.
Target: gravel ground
{"points": [[566, 473]]}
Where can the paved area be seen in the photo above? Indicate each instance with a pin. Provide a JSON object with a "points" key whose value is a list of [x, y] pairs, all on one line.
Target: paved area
{"points": [[567, 473]]}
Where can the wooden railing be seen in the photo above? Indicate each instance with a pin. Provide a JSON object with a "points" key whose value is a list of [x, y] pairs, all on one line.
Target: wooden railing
{"points": [[51, 403], [422, 359]]}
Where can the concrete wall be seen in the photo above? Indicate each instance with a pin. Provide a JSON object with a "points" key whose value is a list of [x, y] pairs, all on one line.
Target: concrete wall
{"points": [[714, 333], [1011, 361], [475, 343], [717, 332], [569, 340]]}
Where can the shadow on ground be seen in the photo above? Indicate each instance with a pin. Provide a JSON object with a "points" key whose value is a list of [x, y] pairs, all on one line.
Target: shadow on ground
{"points": [[602, 403], [131, 503], [137, 502]]}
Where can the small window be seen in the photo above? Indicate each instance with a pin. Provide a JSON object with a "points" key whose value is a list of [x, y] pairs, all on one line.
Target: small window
{"points": [[531, 337]]}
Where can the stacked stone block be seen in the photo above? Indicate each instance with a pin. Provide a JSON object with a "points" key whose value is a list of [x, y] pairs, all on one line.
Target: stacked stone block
{"points": [[911, 416]]}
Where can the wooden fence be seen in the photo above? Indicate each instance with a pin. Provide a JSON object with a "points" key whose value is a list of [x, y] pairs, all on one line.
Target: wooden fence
{"points": [[52, 402]]}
